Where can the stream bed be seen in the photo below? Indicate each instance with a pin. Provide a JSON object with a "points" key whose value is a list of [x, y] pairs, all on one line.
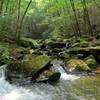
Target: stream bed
{"points": [[69, 88]]}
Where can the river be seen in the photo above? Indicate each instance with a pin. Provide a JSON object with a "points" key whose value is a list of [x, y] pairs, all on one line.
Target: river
{"points": [[69, 87]]}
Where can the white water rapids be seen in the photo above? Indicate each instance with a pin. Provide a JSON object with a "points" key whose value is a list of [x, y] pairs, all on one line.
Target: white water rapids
{"points": [[64, 76], [11, 92], [38, 92]]}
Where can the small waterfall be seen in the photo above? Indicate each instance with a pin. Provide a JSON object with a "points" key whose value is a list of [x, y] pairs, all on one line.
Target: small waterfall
{"points": [[12, 92], [2, 71], [58, 67]]}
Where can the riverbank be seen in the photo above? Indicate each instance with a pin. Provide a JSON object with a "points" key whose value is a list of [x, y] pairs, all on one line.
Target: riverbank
{"points": [[33, 59]]}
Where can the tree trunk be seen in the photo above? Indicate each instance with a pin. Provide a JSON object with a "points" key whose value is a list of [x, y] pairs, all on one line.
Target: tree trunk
{"points": [[68, 12], [86, 15], [1, 5], [19, 25], [75, 15]]}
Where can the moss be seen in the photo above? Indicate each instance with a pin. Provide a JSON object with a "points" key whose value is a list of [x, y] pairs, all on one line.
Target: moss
{"points": [[90, 61], [45, 74], [34, 63], [77, 64], [29, 42], [30, 65]]}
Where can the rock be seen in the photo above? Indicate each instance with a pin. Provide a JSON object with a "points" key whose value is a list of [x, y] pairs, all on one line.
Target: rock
{"points": [[95, 50], [48, 76], [31, 66], [84, 44], [80, 50], [28, 42], [90, 61], [57, 45], [54, 77], [45, 74], [77, 64], [64, 55], [86, 51], [57, 50], [33, 63], [79, 56]]}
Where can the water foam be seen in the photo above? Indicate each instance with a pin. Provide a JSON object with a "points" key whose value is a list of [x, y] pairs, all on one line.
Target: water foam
{"points": [[64, 76], [12, 92]]}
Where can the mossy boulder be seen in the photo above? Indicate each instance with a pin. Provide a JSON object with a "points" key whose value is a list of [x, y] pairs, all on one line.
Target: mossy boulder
{"points": [[86, 51], [84, 44], [95, 50], [30, 66], [80, 50], [54, 77], [33, 63], [77, 64], [28, 42], [48, 76], [45, 74], [90, 61], [81, 44]]}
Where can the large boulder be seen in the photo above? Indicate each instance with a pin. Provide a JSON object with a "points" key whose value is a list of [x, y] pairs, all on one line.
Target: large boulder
{"points": [[77, 64], [80, 50], [31, 66], [86, 51]]}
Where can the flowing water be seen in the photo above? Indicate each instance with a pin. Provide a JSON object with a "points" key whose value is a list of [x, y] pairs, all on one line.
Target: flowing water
{"points": [[70, 87]]}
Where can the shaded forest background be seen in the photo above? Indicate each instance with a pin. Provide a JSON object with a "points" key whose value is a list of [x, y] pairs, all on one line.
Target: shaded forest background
{"points": [[49, 18]]}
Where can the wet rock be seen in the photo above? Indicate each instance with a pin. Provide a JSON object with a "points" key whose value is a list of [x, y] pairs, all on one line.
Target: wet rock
{"points": [[45, 74], [90, 61], [48, 76], [54, 77], [77, 64]]}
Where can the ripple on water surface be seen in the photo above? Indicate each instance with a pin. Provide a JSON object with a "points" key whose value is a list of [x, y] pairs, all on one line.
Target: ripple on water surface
{"points": [[10, 92]]}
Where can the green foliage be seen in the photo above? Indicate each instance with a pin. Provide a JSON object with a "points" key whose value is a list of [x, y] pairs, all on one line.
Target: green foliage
{"points": [[57, 13], [4, 54]]}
